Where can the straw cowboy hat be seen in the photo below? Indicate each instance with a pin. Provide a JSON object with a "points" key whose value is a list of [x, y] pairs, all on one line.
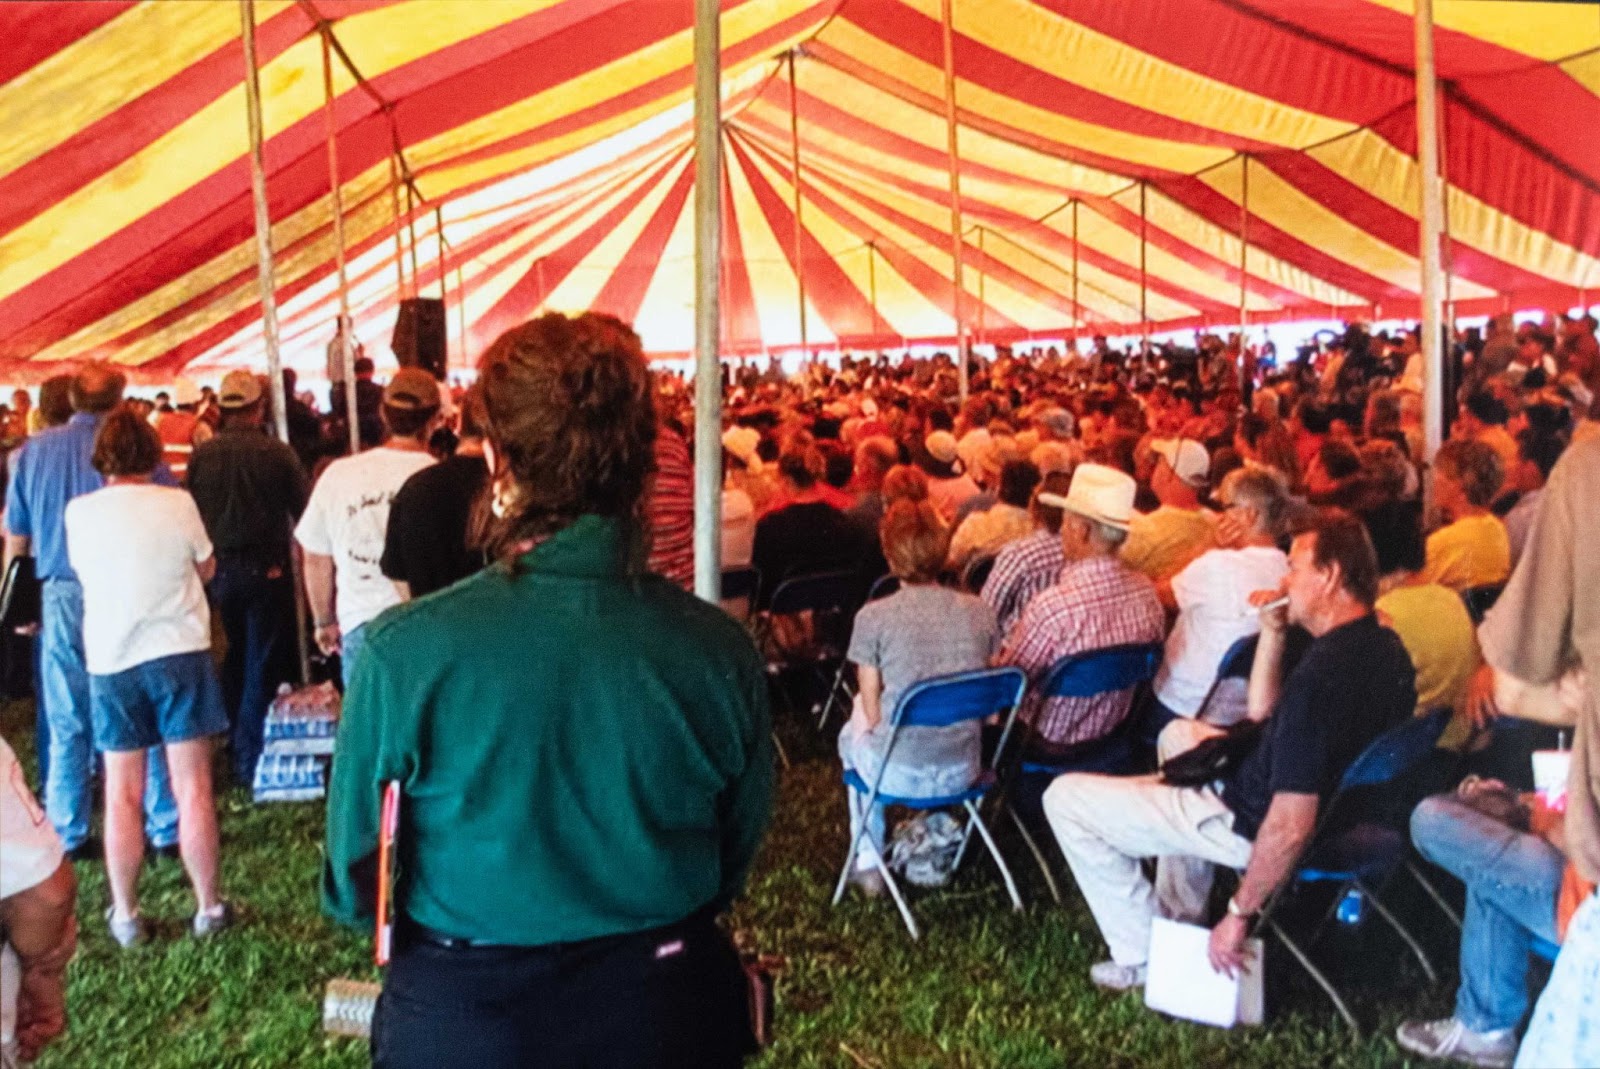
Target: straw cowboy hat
{"points": [[1104, 495]]}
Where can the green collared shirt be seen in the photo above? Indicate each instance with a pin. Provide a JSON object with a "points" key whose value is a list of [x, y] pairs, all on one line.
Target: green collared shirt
{"points": [[583, 751]]}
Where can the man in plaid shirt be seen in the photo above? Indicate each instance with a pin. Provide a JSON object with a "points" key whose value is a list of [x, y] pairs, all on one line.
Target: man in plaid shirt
{"points": [[1030, 565], [1097, 602]]}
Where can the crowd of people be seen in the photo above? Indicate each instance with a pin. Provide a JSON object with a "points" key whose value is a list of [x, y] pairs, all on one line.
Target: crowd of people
{"points": [[583, 749]]}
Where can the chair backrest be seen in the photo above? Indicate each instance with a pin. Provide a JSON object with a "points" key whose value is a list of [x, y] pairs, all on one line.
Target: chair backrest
{"points": [[959, 697], [1395, 752], [19, 594], [883, 586], [1236, 663], [740, 582], [1480, 599], [1084, 675], [817, 592]]}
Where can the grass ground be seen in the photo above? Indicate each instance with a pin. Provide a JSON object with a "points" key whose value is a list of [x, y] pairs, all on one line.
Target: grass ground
{"points": [[985, 989]]}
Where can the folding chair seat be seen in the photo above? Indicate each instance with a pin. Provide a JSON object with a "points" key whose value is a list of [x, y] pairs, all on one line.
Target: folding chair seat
{"points": [[942, 701], [1087, 675], [1349, 853]]}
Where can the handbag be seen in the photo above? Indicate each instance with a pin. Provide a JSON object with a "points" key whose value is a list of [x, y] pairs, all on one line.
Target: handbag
{"points": [[19, 596], [1214, 757]]}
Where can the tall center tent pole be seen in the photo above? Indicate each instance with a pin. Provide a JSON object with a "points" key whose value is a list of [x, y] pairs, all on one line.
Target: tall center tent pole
{"points": [[954, 152], [269, 300], [347, 353], [799, 231], [1431, 223], [707, 260]]}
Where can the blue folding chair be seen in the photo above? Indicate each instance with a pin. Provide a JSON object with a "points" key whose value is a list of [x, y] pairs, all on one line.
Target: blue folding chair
{"points": [[1086, 675], [1480, 599], [942, 701], [1363, 855]]}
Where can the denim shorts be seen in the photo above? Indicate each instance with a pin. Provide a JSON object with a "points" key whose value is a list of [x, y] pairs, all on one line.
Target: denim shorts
{"points": [[169, 699]]}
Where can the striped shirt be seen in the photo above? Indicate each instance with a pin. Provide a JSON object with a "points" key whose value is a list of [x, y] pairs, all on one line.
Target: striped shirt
{"points": [[669, 512], [1098, 602], [1022, 570]]}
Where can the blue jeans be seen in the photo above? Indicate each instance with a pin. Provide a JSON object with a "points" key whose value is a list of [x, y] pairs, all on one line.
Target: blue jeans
{"points": [[64, 692], [1512, 882], [350, 645], [256, 613], [1565, 1029]]}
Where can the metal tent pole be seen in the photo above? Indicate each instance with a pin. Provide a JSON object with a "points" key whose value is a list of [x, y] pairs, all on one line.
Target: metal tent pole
{"points": [[872, 284], [1431, 223], [954, 154], [983, 298], [1077, 309], [269, 299], [258, 190], [1244, 270], [707, 259], [399, 243], [347, 353], [799, 248], [1144, 287]]}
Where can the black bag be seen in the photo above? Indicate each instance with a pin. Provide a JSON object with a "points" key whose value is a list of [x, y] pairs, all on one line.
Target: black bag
{"points": [[19, 596], [1214, 757]]}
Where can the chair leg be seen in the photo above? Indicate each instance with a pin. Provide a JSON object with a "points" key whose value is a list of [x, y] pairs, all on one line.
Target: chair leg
{"points": [[899, 899], [783, 754], [974, 819], [1434, 893], [1394, 922], [839, 687], [1316, 973], [849, 854], [1038, 855]]}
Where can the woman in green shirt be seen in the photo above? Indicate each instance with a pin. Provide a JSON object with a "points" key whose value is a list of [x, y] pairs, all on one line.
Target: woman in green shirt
{"points": [[583, 750]]}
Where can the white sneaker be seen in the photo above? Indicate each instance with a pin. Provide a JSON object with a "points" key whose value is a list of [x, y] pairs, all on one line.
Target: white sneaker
{"points": [[210, 922], [1449, 1038], [1109, 976], [128, 932]]}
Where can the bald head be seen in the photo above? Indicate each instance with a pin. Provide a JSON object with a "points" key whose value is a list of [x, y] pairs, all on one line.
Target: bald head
{"points": [[97, 388]]}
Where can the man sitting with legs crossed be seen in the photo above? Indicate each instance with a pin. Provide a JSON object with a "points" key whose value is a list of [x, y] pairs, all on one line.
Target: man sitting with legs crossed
{"points": [[1354, 682]]}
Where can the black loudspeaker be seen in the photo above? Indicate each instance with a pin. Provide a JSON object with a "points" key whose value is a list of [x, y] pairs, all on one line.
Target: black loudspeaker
{"points": [[419, 335]]}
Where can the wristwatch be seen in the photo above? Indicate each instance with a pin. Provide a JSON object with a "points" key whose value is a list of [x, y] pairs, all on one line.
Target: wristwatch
{"points": [[1235, 911]]}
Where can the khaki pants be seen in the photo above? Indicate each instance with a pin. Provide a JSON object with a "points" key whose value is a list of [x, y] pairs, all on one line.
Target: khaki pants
{"points": [[1107, 824]]}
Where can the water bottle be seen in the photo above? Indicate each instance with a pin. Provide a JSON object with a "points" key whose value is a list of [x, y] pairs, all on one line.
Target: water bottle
{"points": [[1351, 907]]}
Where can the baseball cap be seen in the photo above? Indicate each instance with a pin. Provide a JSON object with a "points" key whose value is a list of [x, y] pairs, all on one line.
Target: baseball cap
{"points": [[239, 389], [1188, 459], [411, 390]]}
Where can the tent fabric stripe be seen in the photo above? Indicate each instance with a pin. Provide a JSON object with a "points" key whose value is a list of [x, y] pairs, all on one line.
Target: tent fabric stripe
{"points": [[554, 135]]}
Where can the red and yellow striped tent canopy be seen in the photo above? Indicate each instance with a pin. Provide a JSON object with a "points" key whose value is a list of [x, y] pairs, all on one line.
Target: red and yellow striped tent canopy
{"points": [[553, 140]]}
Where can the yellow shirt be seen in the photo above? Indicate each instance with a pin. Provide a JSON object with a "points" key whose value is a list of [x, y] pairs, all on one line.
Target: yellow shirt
{"points": [[1499, 439], [1162, 543], [1473, 551], [1436, 631]]}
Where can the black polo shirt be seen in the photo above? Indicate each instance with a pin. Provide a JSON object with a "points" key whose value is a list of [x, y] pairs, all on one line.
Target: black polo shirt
{"points": [[250, 489], [1353, 684]]}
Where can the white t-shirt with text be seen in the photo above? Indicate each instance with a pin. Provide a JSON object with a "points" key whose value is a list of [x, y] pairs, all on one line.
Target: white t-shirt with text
{"points": [[135, 547], [1214, 612], [346, 519]]}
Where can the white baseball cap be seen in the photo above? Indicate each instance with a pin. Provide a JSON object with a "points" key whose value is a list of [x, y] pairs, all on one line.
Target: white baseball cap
{"points": [[1187, 458]]}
